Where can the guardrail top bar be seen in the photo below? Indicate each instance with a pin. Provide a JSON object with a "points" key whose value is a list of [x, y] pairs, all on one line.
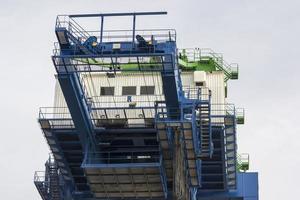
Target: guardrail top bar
{"points": [[117, 14]]}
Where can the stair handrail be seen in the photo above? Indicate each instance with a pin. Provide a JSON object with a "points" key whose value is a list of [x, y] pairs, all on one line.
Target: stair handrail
{"points": [[197, 93], [197, 54], [39, 176], [163, 175], [64, 21], [243, 160], [54, 113], [218, 59], [132, 157]]}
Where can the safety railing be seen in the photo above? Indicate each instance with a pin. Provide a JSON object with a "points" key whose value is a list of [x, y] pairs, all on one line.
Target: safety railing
{"points": [[223, 109], [39, 176], [54, 113], [197, 54], [243, 162], [217, 111], [240, 115], [56, 51], [60, 117], [230, 109], [197, 93], [156, 62], [134, 114], [55, 117], [81, 34], [185, 112], [129, 101], [150, 35], [64, 21], [162, 113], [121, 157], [123, 117]]}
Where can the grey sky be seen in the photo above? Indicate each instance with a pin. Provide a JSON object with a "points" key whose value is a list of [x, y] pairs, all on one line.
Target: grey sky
{"points": [[261, 35]]}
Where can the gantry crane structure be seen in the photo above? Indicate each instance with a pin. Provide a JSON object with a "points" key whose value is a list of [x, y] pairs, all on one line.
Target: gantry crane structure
{"points": [[176, 144]]}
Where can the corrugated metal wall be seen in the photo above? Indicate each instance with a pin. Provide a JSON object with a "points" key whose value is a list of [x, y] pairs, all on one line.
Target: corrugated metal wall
{"points": [[214, 82], [59, 100], [93, 84], [97, 81]]}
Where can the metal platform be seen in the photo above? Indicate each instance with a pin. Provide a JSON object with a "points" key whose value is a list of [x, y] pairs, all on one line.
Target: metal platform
{"points": [[172, 145]]}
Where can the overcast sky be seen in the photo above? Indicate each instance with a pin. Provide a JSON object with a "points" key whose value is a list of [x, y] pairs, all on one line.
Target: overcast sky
{"points": [[261, 35]]}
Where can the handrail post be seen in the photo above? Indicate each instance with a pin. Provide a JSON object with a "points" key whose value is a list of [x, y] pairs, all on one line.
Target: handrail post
{"points": [[101, 33], [133, 30]]}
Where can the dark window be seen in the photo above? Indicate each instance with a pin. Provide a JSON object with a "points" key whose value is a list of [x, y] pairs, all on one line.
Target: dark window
{"points": [[129, 90], [199, 83], [107, 91], [147, 90]]}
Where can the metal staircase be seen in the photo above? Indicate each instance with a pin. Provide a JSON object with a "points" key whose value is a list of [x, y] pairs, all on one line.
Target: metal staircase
{"points": [[54, 185], [201, 96], [193, 58], [48, 182], [213, 167], [230, 149], [186, 129], [192, 162], [69, 32], [64, 142], [166, 148], [205, 129], [41, 184], [164, 136]]}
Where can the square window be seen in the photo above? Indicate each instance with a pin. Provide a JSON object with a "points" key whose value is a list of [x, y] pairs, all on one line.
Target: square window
{"points": [[199, 83], [129, 90], [147, 90], [107, 91]]}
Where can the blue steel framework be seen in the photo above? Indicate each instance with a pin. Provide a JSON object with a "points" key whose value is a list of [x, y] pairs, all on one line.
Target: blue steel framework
{"points": [[190, 157]]}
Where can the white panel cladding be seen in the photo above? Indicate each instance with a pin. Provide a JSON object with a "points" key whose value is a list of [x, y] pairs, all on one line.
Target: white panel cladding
{"points": [[93, 84], [60, 109], [187, 79], [59, 100], [200, 76], [215, 82], [97, 80]]}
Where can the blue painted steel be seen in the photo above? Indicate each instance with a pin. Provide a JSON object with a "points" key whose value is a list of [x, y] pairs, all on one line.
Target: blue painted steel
{"points": [[101, 30], [133, 32], [75, 99], [84, 150], [172, 85], [163, 176], [247, 189], [118, 14]]}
